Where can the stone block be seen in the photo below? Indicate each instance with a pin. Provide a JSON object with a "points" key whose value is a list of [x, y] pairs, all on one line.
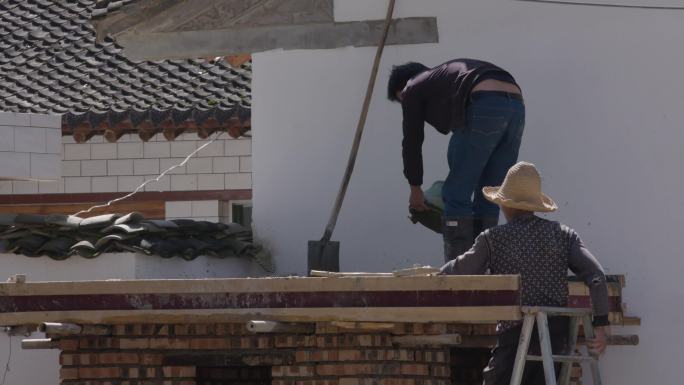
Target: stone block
{"points": [[199, 166], [183, 148], [129, 183], [46, 166], [167, 163], [6, 138], [205, 208], [238, 147], [239, 181], [156, 150], [216, 148], [120, 167], [30, 139], [145, 166], [183, 182], [51, 187], [53, 141], [163, 184], [210, 182], [104, 184], [14, 119], [226, 164], [15, 164], [178, 209], [46, 120], [71, 168], [93, 167], [103, 151], [245, 164], [77, 151], [24, 187], [129, 150], [77, 184]]}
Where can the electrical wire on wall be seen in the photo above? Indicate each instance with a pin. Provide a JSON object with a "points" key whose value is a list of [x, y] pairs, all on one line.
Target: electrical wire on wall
{"points": [[600, 4], [145, 183], [9, 358]]}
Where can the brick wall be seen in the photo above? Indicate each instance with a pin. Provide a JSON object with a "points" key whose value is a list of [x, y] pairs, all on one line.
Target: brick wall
{"points": [[100, 166], [29, 148], [210, 353], [213, 354]]}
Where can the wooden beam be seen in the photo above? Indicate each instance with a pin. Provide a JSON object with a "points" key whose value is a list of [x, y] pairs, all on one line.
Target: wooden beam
{"points": [[450, 284], [149, 209], [379, 314]]}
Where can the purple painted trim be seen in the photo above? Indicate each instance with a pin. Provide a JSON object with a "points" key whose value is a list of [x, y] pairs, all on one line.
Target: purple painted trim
{"points": [[279, 300]]}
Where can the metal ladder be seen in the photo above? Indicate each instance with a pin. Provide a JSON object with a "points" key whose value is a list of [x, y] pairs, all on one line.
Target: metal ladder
{"points": [[547, 357]]}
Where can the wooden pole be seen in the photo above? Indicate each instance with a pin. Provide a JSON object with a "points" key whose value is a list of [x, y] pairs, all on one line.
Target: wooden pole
{"points": [[279, 327]]}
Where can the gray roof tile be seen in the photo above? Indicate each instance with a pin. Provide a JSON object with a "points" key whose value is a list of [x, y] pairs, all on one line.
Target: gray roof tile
{"points": [[51, 62]]}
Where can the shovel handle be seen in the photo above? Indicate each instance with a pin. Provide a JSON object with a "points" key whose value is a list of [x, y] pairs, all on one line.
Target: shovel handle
{"points": [[359, 127]]}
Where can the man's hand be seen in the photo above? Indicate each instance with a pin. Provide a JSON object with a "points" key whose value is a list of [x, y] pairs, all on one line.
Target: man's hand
{"points": [[597, 345], [416, 199]]}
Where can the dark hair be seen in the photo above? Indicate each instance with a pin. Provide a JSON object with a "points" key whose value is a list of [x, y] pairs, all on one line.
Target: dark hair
{"points": [[400, 75]]}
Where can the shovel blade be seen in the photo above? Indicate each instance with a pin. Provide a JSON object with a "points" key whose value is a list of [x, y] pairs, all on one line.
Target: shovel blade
{"points": [[324, 255]]}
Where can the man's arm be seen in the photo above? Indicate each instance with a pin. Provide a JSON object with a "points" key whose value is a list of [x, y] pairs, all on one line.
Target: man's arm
{"points": [[587, 268], [473, 262]]}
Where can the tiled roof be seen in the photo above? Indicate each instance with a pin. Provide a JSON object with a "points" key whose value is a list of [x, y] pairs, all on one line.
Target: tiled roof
{"points": [[60, 237], [103, 7], [51, 62]]}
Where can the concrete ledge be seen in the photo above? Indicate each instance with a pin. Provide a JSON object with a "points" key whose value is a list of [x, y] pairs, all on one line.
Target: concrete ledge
{"points": [[194, 44]]}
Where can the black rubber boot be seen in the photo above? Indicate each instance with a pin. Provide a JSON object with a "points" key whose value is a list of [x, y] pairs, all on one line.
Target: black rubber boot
{"points": [[458, 236], [482, 224]]}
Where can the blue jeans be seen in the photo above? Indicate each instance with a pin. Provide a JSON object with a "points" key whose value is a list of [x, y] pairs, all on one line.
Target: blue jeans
{"points": [[481, 154]]}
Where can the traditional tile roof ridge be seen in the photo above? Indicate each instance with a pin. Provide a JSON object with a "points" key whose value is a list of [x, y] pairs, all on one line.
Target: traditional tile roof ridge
{"points": [[60, 237], [103, 7], [51, 63]]}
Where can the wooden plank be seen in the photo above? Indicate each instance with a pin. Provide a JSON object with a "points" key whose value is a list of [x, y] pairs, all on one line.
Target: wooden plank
{"points": [[150, 209], [265, 285], [165, 196], [109, 317]]}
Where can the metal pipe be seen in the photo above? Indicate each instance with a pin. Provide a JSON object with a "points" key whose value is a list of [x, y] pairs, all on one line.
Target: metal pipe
{"points": [[68, 329], [40, 343], [278, 327]]}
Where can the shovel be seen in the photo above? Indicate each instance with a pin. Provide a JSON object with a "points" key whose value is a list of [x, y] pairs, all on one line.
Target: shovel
{"points": [[325, 254]]}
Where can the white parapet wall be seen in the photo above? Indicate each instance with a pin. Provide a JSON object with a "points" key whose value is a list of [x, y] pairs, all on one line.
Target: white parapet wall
{"points": [[604, 126], [30, 146]]}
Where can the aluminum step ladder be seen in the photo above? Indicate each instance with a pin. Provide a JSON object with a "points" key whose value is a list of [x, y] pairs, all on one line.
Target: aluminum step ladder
{"points": [[540, 315]]}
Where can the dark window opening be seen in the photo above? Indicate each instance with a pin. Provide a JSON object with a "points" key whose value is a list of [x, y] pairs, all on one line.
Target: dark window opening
{"points": [[467, 365], [234, 375]]}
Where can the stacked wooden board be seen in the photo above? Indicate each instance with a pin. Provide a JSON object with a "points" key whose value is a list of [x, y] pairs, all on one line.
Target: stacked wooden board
{"points": [[469, 299]]}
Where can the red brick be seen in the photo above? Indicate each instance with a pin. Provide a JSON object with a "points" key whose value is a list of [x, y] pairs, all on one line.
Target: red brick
{"points": [[181, 382], [151, 359], [132, 373], [210, 343], [348, 369], [99, 372], [292, 371], [169, 343], [179, 371], [66, 359], [440, 371], [68, 373], [68, 344], [118, 358], [134, 343]]}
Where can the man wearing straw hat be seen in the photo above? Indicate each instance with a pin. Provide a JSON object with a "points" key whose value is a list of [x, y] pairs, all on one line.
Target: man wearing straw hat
{"points": [[541, 252]]}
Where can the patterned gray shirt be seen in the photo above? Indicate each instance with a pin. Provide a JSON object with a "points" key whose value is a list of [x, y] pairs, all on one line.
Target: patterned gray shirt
{"points": [[541, 252]]}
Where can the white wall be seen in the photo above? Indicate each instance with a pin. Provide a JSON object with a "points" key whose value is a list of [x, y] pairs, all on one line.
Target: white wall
{"points": [[99, 166], [603, 90], [23, 363], [29, 147]]}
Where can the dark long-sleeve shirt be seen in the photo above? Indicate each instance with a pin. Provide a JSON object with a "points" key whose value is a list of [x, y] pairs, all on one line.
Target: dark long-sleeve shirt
{"points": [[439, 97], [541, 251]]}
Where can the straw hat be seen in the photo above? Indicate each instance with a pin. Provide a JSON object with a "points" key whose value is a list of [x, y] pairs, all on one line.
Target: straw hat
{"points": [[521, 190]]}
